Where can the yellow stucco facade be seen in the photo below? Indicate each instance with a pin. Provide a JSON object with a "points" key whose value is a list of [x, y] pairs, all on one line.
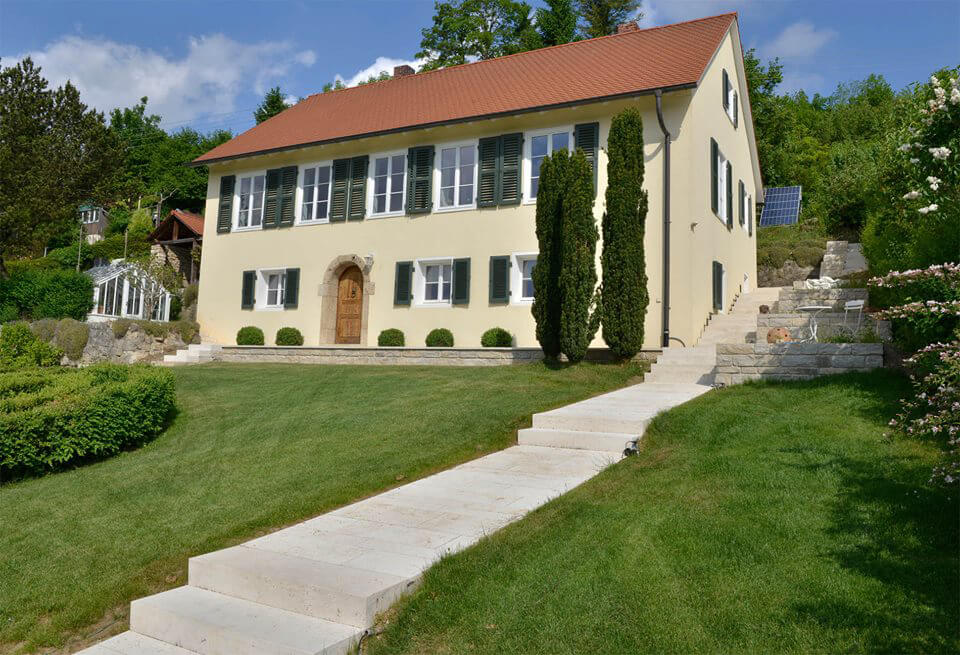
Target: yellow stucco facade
{"points": [[376, 244]]}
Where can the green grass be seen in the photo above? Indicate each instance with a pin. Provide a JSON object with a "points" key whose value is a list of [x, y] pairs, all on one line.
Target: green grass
{"points": [[252, 449], [756, 519]]}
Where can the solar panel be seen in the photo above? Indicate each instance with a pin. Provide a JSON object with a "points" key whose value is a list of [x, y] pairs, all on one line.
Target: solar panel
{"points": [[781, 206]]}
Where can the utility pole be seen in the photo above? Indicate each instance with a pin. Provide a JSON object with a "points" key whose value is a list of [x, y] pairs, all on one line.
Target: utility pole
{"points": [[80, 245]]}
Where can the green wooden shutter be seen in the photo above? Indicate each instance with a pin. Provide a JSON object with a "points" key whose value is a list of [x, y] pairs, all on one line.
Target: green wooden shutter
{"points": [[420, 180], [717, 286], [714, 177], [292, 289], [461, 281], [750, 217], [729, 195], [225, 210], [726, 90], [736, 110], [500, 279], [248, 291], [586, 136], [288, 196], [403, 284], [271, 201], [511, 157], [488, 156], [357, 204], [741, 205], [340, 190]]}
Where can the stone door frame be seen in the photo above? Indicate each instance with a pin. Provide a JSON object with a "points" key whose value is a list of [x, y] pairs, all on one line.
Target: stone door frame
{"points": [[329, 290]]}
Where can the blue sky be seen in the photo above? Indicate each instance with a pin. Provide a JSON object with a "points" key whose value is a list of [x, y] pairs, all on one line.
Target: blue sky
{"points": [[207, 63]]}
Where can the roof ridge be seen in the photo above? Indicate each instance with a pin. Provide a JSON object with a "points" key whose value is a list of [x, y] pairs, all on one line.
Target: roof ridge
{"points": [[527, 52]]}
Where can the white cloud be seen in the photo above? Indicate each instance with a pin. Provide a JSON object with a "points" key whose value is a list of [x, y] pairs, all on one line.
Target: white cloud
{"points": [[207, 80], [795, 81], [800, 39], [664, 12], [379, 65]]}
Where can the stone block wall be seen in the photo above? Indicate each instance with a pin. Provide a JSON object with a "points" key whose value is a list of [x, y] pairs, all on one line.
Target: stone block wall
{"points": [[834, 259], [135, 346], [828, 324], [738, 363], [791, 298], [357, 355]]}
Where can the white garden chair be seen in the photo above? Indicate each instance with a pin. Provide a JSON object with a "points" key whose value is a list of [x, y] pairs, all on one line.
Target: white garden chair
{"points": [[853, 305]]}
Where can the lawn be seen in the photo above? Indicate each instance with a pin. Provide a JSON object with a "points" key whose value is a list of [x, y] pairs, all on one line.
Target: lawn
{"points": [[760, 518], [253, 448]]}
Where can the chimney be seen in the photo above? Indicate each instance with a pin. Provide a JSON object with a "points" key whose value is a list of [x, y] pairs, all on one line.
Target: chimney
{"points": [[629, 26], [403, 71]]}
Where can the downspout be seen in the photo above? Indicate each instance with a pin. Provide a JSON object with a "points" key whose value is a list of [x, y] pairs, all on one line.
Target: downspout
{"points": [[666, 221]]}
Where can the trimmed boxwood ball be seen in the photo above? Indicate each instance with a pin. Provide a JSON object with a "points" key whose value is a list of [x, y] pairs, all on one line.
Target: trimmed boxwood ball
{"points": [[391, 337], [249, 336], [496, 338], [289, 336], [440, 338]]}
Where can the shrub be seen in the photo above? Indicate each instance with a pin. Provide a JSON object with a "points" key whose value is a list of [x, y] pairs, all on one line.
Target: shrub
{"points": [[64, 418], [391, 337], [120, 327], [249, 336], [72, 337], [440, 338], [546, 274], [496, 338], [188, 329], [190, 294], [624, 290], [21, 348], [923, 305], [9, 312], [176, 306], [48, 294], [289, 336], [45, 329]]}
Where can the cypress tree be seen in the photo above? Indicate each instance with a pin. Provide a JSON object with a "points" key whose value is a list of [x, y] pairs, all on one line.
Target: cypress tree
{"points": [[578, 273], [625, 295], [546, 274]]}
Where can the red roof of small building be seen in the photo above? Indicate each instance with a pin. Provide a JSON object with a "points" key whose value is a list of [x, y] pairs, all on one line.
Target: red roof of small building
{"points": [[622, 64], [191, 221]]}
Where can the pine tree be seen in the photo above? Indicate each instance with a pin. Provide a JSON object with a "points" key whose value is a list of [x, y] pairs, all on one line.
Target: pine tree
{"points": [[602, 17], [557, 22], [578, 273], [273, 103], [625, 296], [546, 274]]}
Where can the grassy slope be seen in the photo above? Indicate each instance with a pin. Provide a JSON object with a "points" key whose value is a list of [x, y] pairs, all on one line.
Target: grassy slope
{"points": [[761, 518], [253, 448]]}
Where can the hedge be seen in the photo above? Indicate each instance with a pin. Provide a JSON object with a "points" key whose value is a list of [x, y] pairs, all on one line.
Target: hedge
{"points": [[51, 419], [391, 337], [440, 338], [249, 336], [21, 348], [288, 336], [35, 294], [496, 338]]}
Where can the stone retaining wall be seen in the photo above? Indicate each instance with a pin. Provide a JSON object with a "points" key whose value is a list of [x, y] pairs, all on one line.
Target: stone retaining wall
{"points": [[790, 299], [828, 324], [738, 363], [397, 356]]}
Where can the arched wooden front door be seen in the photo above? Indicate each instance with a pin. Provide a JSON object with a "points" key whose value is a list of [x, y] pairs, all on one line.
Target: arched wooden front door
{"points": [[349, 305]]}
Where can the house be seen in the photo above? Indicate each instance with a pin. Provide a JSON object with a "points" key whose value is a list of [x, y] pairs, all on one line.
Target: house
{"points": [[410, 203], [93, 220], [122, 290], [177, 240]]}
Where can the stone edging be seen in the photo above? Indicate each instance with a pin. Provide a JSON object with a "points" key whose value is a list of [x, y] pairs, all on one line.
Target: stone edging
{"points": [[793, 361]]}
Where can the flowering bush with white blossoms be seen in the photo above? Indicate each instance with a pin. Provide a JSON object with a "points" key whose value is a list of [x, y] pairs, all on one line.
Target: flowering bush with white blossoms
{"points": [[934, 410], [923, 304], [921, 225]]}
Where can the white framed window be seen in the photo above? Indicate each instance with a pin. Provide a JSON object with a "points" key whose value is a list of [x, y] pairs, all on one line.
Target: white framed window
{"points": [[537, 146], [433, 282], [275, 283], [89, 216], [249, 200], [315, 193], [456, 175], [388, 178], [521, 277]]}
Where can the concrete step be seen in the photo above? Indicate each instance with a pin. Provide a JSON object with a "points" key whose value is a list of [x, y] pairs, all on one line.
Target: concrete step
{"points": [[131, 643], [605, 441], [214, 624], [335, 592], [689, 376]]}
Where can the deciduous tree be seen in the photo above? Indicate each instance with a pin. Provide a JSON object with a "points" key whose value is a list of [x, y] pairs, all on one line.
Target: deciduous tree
{"points": [[557, 22]]}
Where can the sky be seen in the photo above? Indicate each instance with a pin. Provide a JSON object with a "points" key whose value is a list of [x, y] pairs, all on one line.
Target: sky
{"points": [[207, 63]]}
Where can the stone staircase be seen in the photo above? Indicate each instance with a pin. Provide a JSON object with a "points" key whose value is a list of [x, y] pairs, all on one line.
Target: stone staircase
{"points": [[195, 353], [695, 365]]}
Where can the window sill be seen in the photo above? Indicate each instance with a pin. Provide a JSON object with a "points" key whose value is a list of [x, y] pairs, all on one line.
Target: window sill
{"points": [[385, 215], [255, 228], [269, 308], [434, 304], [523, 302], [318, 222], [450, 210]]}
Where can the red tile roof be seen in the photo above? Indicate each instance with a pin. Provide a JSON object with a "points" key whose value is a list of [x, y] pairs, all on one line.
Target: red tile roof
{"points": [[191, 221], [618, 65]]}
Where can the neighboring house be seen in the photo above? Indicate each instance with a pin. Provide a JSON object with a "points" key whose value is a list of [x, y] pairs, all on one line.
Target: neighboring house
{"points": [[410, 203], [177, 240], [94, 221], [121, 290]]}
